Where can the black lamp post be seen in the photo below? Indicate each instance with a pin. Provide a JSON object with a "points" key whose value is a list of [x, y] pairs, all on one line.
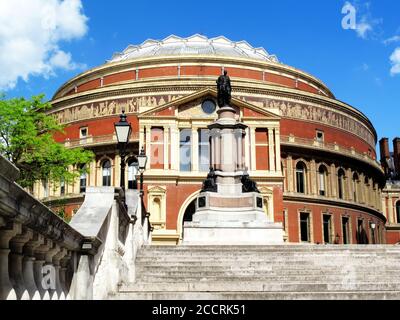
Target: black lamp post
{"points": [[123, 131], [142, 161]]}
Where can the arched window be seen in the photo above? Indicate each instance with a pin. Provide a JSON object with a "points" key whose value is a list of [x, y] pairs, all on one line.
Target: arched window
{"points": [[82, 179], [106, 173], [301, 177], [322, 179], [157, 208], [132, 172], [341, 183], [398, 211], [355, 186]]}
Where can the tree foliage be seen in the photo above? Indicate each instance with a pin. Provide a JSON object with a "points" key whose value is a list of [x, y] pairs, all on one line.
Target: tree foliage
{"points": [[26, 139]]}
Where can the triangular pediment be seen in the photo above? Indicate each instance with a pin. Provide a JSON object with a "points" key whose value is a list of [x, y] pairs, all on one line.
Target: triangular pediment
{"points": [[186, 102]]}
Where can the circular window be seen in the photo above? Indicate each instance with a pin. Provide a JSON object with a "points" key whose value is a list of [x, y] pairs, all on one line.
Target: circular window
{"points": [[208, 106]]}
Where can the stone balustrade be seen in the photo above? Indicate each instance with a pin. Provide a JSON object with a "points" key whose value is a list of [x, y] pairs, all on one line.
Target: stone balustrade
{"points": [[43, 257]]}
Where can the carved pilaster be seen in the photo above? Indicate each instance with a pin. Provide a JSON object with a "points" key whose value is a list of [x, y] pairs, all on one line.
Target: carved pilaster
{"points": [[313, 183], [195, 150], [271, 149]]}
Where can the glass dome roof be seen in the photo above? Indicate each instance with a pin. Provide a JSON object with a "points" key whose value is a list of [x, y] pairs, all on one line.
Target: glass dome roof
{"points": [[194, 45]]}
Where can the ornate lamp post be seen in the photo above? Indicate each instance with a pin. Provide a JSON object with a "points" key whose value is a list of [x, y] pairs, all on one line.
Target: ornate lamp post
{"points": [[142, 161], [123, 130]]}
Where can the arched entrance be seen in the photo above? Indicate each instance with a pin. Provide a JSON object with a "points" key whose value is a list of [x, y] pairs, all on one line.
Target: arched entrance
{"points": [[188, 215], [186, 212]]}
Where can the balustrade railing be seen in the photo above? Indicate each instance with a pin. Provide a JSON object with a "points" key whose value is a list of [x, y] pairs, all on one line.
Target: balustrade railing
{"points": [[43, 257], [97, 140], [314, 143]]}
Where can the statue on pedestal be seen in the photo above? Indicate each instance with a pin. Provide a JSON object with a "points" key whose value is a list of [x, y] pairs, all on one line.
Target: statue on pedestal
{"points": [[210, 184], [224, 90], [248, 184]]}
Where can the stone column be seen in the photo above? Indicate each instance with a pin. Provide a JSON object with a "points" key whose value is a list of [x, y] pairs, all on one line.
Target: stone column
{"points": [[217, 149], [349, 180], [195, 149], [290, 173], [148, 146], [253, 163], [166, 151], [239, 144], [278, 150], [271, 149], [334, 184], [384, 208], [7, 232], [16, 263], [247, 149], [174, 148], [313, 183]]}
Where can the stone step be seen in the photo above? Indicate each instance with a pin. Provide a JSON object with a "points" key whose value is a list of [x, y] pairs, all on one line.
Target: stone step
{"points": [[257, 286], [280, 280], [341, 295]]}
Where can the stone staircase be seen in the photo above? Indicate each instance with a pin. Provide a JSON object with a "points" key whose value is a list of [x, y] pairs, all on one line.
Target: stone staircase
{"points": [[265, 272]]}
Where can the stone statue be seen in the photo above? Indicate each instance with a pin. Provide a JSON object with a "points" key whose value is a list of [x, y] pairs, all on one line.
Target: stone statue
{"points": [[248, 185], [210, 184], [224, 90]]}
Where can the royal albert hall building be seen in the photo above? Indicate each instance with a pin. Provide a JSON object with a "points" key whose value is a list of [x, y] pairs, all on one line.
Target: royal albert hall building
{"points": [[313, 157]]}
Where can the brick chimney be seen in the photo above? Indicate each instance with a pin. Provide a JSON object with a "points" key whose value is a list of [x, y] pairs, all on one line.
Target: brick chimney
{"points": [[385, 154], [396, 155]]}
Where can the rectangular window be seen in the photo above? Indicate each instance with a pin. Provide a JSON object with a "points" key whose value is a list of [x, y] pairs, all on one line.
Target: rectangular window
{"points": [[204, 150], [83, 133], [327, 226], [300, 180], [305, 226], [262, 149], [185, 150], [62, 187], [319, 135], [157, 148], [345, 230]]}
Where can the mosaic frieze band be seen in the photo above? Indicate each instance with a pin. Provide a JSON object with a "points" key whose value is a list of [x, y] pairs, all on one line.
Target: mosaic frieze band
{"points": [[289, 109]]}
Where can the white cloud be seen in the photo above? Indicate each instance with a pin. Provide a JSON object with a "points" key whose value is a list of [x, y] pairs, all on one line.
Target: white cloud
{"points": [[395, 60], [391, 40], [30, 36], [62, 60], [363, 28]]}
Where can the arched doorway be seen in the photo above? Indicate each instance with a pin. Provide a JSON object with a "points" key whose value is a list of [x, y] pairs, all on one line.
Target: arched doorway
{"points": [[188, 215]]}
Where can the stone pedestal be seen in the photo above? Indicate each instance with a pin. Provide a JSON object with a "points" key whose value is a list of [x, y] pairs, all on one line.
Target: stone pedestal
{"points": [[230, 216]]}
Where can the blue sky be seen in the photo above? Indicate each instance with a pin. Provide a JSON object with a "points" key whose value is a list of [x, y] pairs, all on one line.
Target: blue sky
{"points": [[354, 63]]}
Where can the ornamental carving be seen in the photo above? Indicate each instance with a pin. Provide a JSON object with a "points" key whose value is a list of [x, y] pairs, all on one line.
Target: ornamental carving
{"points": [[111, 107], [313, 113]]}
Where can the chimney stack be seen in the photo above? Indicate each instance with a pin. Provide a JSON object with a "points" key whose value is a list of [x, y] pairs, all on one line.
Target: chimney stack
{"points": [[385, 154], [396, 155]]}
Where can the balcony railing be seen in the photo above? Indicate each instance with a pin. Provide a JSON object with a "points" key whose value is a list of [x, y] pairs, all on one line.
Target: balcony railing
{"points": [[332, 147], [97, 140]]}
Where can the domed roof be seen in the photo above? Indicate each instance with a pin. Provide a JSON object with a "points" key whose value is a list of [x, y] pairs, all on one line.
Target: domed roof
{"points": [[194, 45]]}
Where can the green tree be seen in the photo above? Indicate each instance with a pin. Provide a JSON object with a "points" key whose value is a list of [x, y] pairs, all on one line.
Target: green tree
{"points": [[26, 139]]}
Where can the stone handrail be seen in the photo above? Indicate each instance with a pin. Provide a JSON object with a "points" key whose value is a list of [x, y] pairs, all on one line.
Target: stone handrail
{"points": [[97, 140], [43, 257], [333, 147]]}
